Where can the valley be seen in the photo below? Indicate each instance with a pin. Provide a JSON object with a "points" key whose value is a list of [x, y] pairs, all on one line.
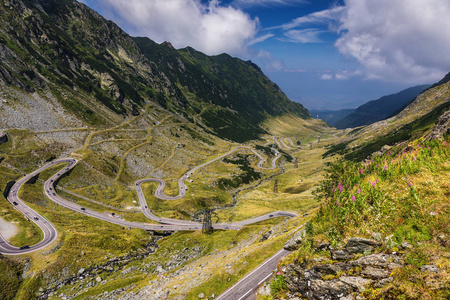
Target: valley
{"points": [[131, 169]]}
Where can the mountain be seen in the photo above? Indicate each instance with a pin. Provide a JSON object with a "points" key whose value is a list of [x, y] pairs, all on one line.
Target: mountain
{"points": [[331, 116], [413, 122], [99, 74], [377, 110]]}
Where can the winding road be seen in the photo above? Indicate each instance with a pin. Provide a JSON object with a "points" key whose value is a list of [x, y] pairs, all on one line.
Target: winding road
{"points": [[166, 224]]}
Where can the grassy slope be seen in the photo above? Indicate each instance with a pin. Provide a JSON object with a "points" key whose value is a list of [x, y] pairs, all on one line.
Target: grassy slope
{"points": [[404, 196], [101, 152]]}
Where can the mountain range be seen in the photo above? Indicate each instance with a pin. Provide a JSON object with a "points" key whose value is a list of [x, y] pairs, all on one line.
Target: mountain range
{"points": [[99, 74], [380, 109]]}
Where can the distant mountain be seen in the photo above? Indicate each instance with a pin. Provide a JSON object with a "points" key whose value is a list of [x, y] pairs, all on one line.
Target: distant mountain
{"points": [[64, 50], [380, 109], [416, 120], [330, 116]]}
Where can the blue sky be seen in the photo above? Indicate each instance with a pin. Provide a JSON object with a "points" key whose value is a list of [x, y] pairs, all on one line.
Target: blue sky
{"points": [[325, 54]]}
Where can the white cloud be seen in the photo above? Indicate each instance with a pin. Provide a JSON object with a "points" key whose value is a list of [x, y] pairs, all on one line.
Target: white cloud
{"points": [[326, 77], [327, 17], [211, 28], [402, 40], [304, 36], [306, 29], [260, 39], [251, 3], [267, 62]]}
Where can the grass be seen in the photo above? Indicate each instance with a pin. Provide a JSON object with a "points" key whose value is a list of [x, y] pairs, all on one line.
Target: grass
{"points": [[404, 196], [93, 178]]}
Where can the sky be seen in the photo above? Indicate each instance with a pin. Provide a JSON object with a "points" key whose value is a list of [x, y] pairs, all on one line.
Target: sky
{"points": [[325, 54]]}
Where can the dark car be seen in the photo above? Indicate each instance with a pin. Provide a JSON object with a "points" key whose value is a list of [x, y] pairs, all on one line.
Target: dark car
{"points": [[83, 208], [15, 203], [36, 218], [270, 216], [24, 247]]}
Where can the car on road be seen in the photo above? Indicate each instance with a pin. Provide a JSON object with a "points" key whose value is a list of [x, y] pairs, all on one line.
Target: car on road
{"points": [[24, 247], [36, 218], [83, 208], [15, 203], [270, 216]]}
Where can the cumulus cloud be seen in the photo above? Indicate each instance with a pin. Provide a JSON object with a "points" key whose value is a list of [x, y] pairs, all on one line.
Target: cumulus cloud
{"points": [[211, 28], [402, 40]]}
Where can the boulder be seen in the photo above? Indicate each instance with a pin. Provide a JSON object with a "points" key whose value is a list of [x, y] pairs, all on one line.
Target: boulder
{"points": [[356, 282], [375, 273], [360, 245], [295, 241], [340, 254], [330, 289], [379, 260], [430, 269], [383, 282], [323, 247], [201, 296]]}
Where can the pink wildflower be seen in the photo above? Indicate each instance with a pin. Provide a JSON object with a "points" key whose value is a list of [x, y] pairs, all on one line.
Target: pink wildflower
{"points": [[338, 203], [353, 199], [408, 183], [359, 192]]}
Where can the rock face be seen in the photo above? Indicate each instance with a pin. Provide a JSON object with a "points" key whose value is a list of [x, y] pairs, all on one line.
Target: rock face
{"points": [[442, 126], [354, 246], [360, 245], [342, 279], [295, 241]]}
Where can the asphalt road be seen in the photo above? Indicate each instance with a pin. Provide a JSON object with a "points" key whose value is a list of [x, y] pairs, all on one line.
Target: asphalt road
{"points": [[245, 288], [166, 224]]}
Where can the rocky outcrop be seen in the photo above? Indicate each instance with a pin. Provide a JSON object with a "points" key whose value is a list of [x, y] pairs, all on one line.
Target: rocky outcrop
{"points": [[295, 241], [354, 246], [442, 126], [345, 278]]}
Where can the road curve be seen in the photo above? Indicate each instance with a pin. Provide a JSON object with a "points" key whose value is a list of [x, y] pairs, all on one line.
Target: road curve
{"points": [[166, 224], [182, 188]]}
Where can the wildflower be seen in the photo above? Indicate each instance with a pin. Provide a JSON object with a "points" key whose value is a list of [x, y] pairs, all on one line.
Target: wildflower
{"points": [[408, 183], [359, 192], [340, 188], [353, 199], [334, 190], [414, 158], [338, 203], [361, 171], [385, 167]]}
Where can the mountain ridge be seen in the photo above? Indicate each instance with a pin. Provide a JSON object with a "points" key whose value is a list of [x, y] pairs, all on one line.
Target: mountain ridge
{"points": [[382, 108], [67, 48]]}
